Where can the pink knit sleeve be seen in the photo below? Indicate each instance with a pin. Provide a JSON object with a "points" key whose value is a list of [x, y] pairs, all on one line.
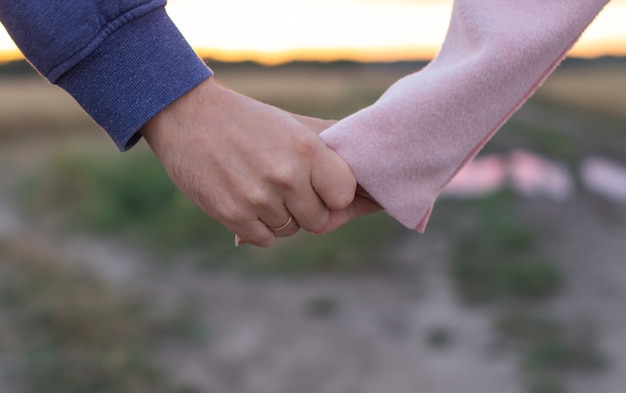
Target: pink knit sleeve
{"points": [[408, 145]]}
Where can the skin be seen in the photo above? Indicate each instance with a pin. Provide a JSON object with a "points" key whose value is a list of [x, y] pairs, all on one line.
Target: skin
{"points": [[250, 165], [362, 203]]}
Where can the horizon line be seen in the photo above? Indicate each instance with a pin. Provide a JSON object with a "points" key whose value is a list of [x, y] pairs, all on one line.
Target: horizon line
{"points": [[358, 55]]}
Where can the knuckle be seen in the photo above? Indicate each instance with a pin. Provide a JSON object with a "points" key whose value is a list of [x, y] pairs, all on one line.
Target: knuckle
{"points": [[285, 176], [305, 145], [229, 213], [259, 197]]}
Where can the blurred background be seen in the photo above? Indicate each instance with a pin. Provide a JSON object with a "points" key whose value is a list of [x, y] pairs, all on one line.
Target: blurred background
{"points": [[111, 281]]}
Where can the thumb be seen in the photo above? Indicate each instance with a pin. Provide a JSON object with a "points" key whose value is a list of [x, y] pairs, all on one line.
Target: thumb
{"points": [[359, 207]]}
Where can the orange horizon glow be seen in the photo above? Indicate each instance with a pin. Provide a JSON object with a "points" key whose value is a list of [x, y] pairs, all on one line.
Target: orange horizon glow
{"points": [[587, 50], [364, 55]]}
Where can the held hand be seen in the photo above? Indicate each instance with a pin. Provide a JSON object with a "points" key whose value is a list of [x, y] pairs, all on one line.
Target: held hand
{"points": [[362, 204], [249, 165]]}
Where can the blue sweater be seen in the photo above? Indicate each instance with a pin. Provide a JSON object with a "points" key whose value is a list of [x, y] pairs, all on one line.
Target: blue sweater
{"points": [[123, 61]]}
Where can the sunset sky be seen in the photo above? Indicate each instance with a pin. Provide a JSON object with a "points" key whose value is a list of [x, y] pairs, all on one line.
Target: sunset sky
{"points": [[281, 30]]}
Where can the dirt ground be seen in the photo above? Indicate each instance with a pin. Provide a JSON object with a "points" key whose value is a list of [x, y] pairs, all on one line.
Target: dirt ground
{"points": [[372, 333], [264, 335]]}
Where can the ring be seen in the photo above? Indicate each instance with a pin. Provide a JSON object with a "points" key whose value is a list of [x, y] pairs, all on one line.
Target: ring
{"points": [[285, 225]]}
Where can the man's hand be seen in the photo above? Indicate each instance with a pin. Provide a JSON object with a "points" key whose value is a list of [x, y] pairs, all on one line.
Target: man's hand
{"points": [[250, 165], [362, 204]]}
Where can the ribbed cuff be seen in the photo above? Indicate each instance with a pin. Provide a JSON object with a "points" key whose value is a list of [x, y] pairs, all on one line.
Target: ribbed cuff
{"points": [[138, 70]]}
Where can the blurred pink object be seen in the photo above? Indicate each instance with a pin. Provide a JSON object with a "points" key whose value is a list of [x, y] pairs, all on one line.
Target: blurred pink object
{"points": [[481, 176], [533, 176], [408, 145], [604, 177]]}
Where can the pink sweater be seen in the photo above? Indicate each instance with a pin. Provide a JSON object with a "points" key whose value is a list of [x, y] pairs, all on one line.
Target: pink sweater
{"points": [[408, 145]]}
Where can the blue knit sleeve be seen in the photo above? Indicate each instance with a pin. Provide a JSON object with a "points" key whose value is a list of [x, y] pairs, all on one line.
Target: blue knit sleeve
{"points": [[123, 61]]}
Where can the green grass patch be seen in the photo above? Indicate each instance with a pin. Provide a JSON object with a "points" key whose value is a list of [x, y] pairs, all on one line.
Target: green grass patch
{"points": [[322, 307], [122, 194], [543, 140], [358, 247], [549, 350], [560, 354], [496, 257], [439, 337], [548, 359]]}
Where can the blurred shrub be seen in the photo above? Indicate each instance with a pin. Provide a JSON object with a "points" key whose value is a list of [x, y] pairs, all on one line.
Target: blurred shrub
{"points": [[131, 195], [497, 257], [128, 194], [360, 246], [547, 141]]}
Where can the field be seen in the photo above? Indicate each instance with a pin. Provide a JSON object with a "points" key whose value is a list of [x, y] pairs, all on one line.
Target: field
{"points": [[111, 281]]}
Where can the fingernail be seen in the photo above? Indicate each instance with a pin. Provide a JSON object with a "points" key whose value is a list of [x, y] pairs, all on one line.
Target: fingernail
{"points": [[237, 240]]}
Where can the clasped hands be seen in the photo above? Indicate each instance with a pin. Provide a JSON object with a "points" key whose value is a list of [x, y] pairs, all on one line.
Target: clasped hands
{"points": [[261, 171]]}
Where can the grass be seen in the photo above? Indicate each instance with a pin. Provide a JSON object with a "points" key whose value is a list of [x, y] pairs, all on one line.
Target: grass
{"points": [[597, 90], [331, 91], [130, 194], [31, 106], [496, 260], [359, 247], [322, 306], [549, 350], [440, 337], [542, 140], [496, 255], [69, 332]]}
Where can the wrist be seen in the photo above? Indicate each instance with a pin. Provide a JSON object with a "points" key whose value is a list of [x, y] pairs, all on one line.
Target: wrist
{"points": [[204, 97]]}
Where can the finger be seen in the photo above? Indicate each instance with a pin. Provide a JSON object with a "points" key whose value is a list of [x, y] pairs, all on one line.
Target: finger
{"points": [[333, 180], [253, 232], [267, 203], [359, 207], [288, 227], [362, 192], [308, 210]]}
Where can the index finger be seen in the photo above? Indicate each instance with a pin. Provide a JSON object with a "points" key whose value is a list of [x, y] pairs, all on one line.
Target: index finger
{"points": [[332, 179]]}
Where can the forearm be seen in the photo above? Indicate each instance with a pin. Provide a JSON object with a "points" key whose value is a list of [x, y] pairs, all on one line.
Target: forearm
{"points": [[406, 147], [123, 62]]}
